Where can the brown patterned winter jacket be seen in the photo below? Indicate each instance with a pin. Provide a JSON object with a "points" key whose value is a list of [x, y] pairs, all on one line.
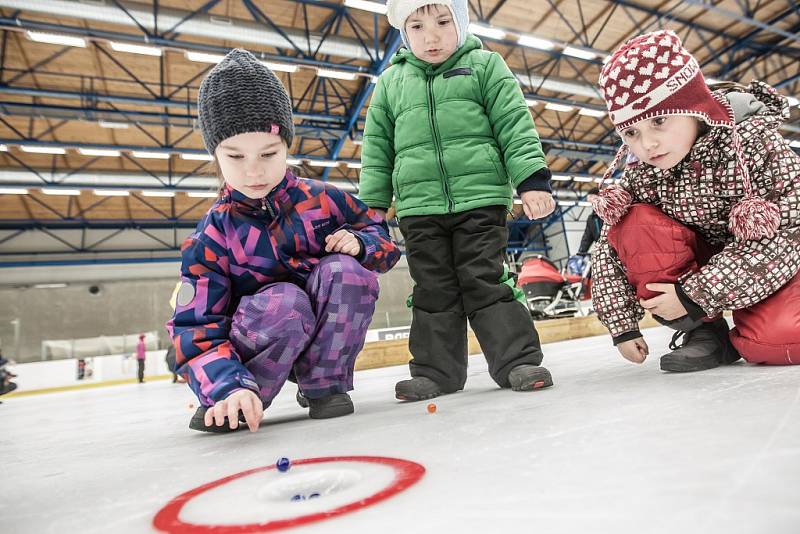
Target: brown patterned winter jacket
{"points": [[700, 192]]}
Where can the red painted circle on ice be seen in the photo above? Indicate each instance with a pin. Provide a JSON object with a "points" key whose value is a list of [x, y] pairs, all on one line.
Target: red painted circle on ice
{"points": [[406, 474]]}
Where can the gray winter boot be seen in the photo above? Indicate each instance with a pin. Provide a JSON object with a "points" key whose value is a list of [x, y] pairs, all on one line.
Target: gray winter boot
{"points": [[418, 388], [528, 377], [335, 405], [706, 347]]}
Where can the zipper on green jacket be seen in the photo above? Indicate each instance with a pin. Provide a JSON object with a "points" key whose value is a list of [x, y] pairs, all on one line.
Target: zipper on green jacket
{"points": [[439, 157]]}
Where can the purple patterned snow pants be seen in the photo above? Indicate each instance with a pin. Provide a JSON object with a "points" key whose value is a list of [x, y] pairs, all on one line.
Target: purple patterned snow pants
{"points": [[317, 333]]}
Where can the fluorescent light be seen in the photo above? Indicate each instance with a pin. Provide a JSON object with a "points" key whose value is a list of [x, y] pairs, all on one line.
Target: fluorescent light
{"points": [[711, 81], [793, 101], [584, 203], [535, 42], [113, 125], [293, 161], [197, 157], [164, 194], [42, 149], [373, 78], [354, 165], [517, 201], [374, 7], [49, 286], [61, 192], [561, 177], [202, 57], [149, 155], [589, 112], [323, 163], [583, 178], [13, 191], [280, 67], [486, 31], [337, 74], [581, 53], [794, 144], [3, 148], [566, 203], [201, 194], [358, 142], [531, 103], [558, 107], [52, 38], [136, 49], [111, 192], [599, 179], [99, 152]]}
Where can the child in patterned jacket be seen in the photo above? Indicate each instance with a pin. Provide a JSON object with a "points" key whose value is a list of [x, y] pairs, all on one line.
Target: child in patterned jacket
{"points": [[279, 279], [706, 217]]}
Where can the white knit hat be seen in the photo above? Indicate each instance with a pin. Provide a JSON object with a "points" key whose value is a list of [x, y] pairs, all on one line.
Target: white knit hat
{"points": [[398, 12]]}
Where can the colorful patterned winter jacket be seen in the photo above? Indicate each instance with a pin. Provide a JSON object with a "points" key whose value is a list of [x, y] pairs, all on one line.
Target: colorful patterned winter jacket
{"points": [[242, 245], [700, 192]]}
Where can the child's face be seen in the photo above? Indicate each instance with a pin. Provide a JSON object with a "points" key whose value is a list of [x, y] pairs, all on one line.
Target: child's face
{"points": [[432, 33], [252, 163], [662, 142]]}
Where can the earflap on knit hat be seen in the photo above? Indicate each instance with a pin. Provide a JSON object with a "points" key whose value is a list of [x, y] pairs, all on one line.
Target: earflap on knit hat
{"points": [[398, 12], [241, 95]]}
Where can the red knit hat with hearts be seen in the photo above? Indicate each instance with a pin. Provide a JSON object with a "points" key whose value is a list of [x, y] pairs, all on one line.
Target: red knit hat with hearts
{"points": [[653, 75]]}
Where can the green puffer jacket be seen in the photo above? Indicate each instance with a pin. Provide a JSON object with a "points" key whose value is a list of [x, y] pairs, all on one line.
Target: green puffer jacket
{"points": [[447, 138]]}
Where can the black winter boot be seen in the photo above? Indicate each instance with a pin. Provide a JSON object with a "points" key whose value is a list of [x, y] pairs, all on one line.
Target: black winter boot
{"points": [[706, 347], [301, 399], [529, 377], [335, 405], [418, 388]]}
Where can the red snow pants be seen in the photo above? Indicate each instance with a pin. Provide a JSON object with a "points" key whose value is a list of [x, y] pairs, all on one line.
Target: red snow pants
{"points": [[658, 249]]}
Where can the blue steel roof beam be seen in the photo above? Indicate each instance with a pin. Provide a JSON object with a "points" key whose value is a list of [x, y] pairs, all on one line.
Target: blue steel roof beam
{"points": [[697, 26], [362, 97], [260, 17], [135, 101], [17, 24], [736, 44], [138, 118], [744, 19], [203, 9]]}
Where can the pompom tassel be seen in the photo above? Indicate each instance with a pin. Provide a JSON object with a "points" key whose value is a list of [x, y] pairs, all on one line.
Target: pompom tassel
{"points": [[612, 204], [754, 218]]}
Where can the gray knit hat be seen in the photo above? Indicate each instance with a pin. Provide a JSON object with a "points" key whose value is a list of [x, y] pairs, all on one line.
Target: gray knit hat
{"points": [[242, 95]]}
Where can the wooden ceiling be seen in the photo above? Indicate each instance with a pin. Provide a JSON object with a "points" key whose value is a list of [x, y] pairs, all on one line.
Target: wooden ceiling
{"points": [[31, 74]]}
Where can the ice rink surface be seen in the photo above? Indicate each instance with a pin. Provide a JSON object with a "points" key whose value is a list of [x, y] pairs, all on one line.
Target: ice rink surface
{"points": [[612, 447]]}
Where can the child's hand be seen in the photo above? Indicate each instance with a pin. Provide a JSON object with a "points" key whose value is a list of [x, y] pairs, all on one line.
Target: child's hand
{"points": [[244, 400], [537, 204], [380, 212], [634, 350], [667, 305], [343, 242]]}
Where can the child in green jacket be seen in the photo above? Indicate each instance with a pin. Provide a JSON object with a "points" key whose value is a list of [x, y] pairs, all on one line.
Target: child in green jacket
{"points": [[448, 135]]}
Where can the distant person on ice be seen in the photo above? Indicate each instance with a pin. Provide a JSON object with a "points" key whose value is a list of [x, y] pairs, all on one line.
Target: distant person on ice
{"points": [[141, 355], [280, 276], [706, 217]]}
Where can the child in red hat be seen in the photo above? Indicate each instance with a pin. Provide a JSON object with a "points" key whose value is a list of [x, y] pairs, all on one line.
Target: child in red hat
{"points": [[706, 217]]}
